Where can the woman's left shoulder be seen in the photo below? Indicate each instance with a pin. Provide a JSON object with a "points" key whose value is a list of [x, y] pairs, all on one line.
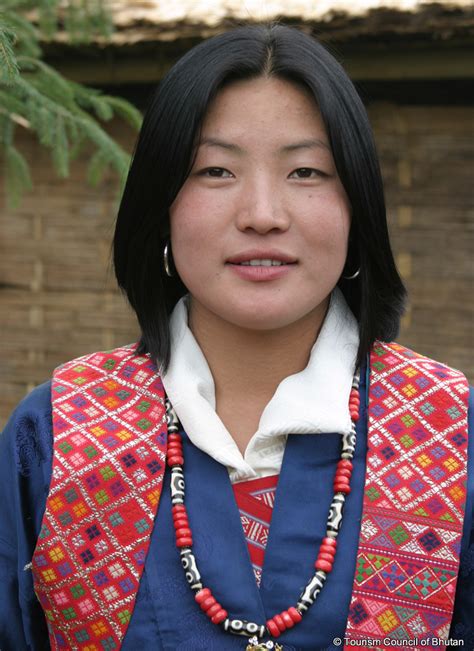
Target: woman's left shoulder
{"points": [[27, 438]]}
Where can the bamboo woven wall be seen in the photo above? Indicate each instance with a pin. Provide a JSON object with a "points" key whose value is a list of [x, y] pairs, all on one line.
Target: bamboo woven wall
{"points": [[57, 294]]}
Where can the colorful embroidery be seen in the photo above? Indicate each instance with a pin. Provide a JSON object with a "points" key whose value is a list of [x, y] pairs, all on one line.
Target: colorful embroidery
{"points": [[408, 556], [255, 499], [109, 460]]}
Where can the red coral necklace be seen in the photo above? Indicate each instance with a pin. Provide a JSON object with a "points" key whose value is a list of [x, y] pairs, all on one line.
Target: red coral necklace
{"points": [[279, 623]]}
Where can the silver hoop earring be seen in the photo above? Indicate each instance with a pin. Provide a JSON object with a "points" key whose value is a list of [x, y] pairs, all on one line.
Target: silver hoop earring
{"points": [[166, 259], [354, 276]]}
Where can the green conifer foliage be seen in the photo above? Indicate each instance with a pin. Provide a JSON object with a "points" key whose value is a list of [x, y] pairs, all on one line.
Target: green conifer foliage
{"points": [[62, 114]]}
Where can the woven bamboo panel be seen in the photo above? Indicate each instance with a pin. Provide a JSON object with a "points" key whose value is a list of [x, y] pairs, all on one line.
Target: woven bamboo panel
{"points": [[57, 293]]}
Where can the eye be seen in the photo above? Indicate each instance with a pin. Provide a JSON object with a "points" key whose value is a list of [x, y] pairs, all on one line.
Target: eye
{"points": [[217, 173], [306, 173]]}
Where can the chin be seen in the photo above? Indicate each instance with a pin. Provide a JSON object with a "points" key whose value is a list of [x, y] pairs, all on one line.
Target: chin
{"points": [[260, 319]]}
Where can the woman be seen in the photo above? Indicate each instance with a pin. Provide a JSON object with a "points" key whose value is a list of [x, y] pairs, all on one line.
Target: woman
{"points": [[252, 243]]}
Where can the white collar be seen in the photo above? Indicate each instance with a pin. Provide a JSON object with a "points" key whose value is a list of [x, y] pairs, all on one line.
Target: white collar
{"points": [[315, 400]]}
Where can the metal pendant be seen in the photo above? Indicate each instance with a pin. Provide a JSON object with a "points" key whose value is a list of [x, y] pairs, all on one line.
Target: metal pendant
{"points": [[255, 645]]}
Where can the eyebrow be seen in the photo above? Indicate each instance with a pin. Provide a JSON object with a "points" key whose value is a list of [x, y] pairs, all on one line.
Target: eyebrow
{"points": [[310, 143]]}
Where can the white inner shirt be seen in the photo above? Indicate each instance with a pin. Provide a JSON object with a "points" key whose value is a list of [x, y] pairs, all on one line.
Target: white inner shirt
{"points": [[315, 400]]}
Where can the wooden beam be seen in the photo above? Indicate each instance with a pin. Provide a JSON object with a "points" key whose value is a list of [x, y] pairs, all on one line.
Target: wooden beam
{"points": [[432, 63], [409, 63]]}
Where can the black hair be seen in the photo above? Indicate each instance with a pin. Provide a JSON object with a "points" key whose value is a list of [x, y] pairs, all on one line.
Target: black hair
{"points": [[163, 158]]}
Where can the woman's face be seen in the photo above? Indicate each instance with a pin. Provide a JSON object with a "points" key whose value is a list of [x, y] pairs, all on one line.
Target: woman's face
{"points": [[259, 229]]}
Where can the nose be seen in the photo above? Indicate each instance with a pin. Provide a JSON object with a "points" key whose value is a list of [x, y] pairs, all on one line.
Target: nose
{"points": [[262, 209]]}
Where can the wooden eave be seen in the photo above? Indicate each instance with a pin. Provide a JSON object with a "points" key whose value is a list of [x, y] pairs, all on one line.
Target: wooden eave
{"points": [[435, 42]]}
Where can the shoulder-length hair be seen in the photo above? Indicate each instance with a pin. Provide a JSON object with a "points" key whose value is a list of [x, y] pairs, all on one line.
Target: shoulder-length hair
{"points": [[163, 158]]}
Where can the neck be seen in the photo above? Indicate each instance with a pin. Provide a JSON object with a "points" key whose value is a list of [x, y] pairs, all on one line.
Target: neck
{"points": [[248, 365]]}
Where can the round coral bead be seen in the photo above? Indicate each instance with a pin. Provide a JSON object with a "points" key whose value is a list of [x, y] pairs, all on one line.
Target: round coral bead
{"points": [[323, 556], [179, 523], [343, 472], [219, 616], [175, 437], [204, 593], [273, 628], [323, 565], [279, 622], [331, 542], [294, 614], [325, 549], [175, 450], [180, 515], [354, 415], [213, 610], [341, 479], [184, 542], [184, 532], [207, 603], [178, 508], [175, 461], [342, 488], [289, 623], [345, 463]]}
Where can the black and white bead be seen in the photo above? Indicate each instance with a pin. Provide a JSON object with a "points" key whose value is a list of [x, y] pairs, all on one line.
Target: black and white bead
{"points": [[335, 515], [189, 564], [309, 594], [172, 419], [348, 444], [177, 485], [241, 627]]}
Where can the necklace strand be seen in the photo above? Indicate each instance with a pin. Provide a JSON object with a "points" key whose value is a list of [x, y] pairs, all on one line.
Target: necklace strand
{"points": [[279, 623]]}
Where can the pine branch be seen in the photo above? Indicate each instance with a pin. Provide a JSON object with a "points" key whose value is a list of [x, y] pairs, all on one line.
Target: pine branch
{"points": [[33, 95], [9, 70], [26, 35], [111, 151], [48, 80], [125, 110]]}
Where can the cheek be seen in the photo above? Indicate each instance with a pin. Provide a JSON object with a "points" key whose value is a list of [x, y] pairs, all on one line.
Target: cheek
{"points": [[327, 225], [193, 240], [185, 223]]}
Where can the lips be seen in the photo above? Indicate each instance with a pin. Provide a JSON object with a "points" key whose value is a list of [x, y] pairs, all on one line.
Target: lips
{"points": [[260, 258], [259, 266], [262, 263]]}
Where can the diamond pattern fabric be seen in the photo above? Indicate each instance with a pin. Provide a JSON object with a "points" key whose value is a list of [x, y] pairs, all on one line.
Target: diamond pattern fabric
{"points": [[109, 460], [413, 510]]}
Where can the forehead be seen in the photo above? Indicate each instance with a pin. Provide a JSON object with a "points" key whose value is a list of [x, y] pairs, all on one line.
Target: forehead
{"points": [[263, 108]]}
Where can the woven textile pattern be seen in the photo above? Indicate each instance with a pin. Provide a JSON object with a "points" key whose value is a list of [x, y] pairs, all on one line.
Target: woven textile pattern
{"points": [[413, 510], [255, 499], [109, 460]]}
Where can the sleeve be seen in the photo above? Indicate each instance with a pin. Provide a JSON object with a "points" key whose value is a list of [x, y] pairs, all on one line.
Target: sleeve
{"points": [[462, 627], [25, 471]]}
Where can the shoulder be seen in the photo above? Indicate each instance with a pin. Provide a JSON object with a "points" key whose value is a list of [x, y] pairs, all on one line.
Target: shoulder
{"points": [[392, 354], [119, 363], [105, 360], [27, 437], [441, 393], [414, 375]]}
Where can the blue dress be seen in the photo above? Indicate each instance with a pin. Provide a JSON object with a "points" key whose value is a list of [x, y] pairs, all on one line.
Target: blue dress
{"points": [[165, 615]]}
